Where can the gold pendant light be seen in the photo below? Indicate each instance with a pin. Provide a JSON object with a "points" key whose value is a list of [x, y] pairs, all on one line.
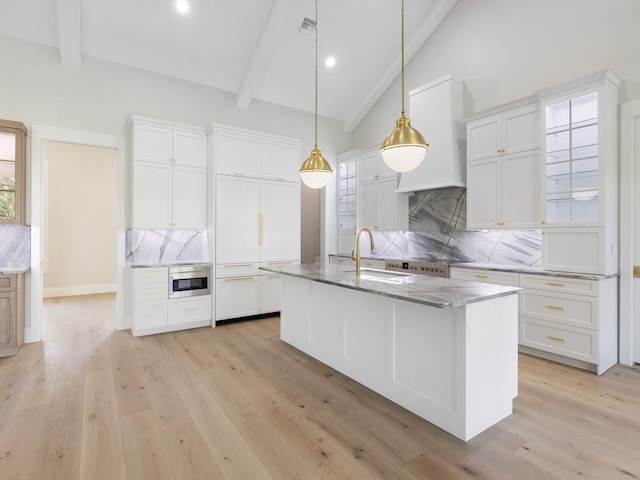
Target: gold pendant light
{"points": [[404, 148], [316, 171]]}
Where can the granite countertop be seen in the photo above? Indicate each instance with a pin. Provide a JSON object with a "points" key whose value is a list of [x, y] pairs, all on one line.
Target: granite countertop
{"points": [[534, 270], [432, 291], [4, 270]]}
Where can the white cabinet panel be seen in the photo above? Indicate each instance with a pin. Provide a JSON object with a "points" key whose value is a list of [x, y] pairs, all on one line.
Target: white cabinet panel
{"points": [[151, 144], [521, 189], [484, 139], [189, 197], [279, 202], [380, 208], [327, 322], [368, 204], [575, 249], [484, 276], [237, 220], [237, 154], [237, 297], [521, 130], [190, 149], [270, 293], [483, 193], [151, 195], [280, 161], [189, 310], [150, 315], [371, 166]]}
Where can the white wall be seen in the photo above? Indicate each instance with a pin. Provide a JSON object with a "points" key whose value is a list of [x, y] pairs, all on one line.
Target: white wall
{"points": [[80, 219], [506, 50]]}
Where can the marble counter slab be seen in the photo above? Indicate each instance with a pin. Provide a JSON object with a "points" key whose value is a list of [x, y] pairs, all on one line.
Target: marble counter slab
{"points": [[159, 248], [432, 291], [533, 270], [15, 248]]}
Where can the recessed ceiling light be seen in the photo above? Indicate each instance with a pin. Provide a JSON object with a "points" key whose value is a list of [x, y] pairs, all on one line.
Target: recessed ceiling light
{"points": [[330, 62], [182, 6]]}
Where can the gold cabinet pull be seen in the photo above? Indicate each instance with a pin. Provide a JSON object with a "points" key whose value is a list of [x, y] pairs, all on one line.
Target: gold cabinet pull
{"points": [[238, 279], [273, 277], [192, 309], [554, 307], [555, 284], [556, 339], [481, 276], [237, 265], [239, 174]]}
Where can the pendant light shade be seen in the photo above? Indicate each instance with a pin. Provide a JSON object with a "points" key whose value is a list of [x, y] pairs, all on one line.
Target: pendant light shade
{"points": [[405, 147], [316, 172]]}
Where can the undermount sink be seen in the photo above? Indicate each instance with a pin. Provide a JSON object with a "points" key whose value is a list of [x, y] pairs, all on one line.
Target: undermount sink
{"points": [[381, 275]]}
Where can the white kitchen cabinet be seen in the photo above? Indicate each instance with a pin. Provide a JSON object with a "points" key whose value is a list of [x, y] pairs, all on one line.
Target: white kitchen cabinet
{"points": [[580, 196], [371, 166], [566, 319], [152, 311], [504, 191], [510, 128], [347, 199], [380, 207], [583, 327], [503, 171], [257, 217], [169, 175]]}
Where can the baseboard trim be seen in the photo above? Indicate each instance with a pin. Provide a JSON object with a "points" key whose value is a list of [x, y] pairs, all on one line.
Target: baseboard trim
{"points": [[78, 290]]}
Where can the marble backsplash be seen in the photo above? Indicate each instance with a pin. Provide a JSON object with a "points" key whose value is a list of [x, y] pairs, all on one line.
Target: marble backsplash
{"points": [[166, 247], [15, 248], [437, 231]]}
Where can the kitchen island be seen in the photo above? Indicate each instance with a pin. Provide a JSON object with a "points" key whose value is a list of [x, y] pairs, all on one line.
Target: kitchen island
{"points": [[446, 350]]}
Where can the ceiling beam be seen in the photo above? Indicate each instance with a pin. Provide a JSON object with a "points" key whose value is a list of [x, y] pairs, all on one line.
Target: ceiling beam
{"points": [[262, 52], [69, 13], [412, 45]]}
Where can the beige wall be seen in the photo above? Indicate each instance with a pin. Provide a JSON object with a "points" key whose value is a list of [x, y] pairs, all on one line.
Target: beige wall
{"points": [[80, 219]]}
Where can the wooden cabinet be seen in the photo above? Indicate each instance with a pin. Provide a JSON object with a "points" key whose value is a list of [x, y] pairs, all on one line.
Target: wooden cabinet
{"points": [[379, 206], [257, 218], [503, 169], [153, 312], [169, 175], [566, 319], [580, 196], [12, 171], [11, 313]]}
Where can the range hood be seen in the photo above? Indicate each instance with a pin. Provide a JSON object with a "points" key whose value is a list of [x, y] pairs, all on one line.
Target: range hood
{"points": [[436, 111]]}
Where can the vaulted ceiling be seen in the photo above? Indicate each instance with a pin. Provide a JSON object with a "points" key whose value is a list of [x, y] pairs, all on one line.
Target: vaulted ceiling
{"points": [[252, 48]]}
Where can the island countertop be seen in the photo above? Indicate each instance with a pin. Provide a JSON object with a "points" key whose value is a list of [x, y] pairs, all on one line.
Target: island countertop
{"points": [[432, 291]]}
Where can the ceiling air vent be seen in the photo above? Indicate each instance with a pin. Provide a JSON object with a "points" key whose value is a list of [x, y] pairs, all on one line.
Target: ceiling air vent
{"points": [[308, 27]]}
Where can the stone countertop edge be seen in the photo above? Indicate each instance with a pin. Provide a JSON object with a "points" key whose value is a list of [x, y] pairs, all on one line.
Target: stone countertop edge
{"points": [[13, 270], [435, 292], [535, 271], [157, 265]]}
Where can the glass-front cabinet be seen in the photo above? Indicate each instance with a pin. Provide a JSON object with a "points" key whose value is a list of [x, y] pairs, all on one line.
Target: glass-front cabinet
{"points": [[347, 202], [572, 161], [12, 166]]}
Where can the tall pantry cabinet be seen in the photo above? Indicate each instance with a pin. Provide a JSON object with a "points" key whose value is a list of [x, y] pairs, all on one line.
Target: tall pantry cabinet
{"points": [[257, 205]]}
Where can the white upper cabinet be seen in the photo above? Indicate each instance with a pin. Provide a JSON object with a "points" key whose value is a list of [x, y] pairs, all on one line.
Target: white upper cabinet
{"points": [[503, 168], [248, 154], [515, 130], [169, 175], [371, 166]]}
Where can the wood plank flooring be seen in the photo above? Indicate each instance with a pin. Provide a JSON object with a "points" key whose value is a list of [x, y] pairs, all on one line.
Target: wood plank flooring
{"points": [[236, 403]]}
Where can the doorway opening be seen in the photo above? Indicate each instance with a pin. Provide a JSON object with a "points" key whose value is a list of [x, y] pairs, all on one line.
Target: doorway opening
{"points": [[80, 223]]}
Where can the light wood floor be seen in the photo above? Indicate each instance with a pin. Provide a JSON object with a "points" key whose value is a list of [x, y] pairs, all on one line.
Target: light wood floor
{"points": [[237, 403]]}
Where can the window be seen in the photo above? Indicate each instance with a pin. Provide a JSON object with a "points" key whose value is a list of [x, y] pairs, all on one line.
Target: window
{"points": [[12, 166]]}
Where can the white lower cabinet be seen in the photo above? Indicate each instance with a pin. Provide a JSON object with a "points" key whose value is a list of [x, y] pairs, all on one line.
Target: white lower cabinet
{"points": [[567, 319], [153, 312]]}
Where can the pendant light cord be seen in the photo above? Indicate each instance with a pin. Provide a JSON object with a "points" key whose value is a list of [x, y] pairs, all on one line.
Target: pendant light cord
{"points": [[402, 56], [316, 97]]}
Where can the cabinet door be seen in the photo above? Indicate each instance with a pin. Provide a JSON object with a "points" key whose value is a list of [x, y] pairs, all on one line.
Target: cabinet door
{"points": [[484, 138], [270, 293], [280, 161], [8, 321], [237, 219], [371, 166], [152, 144], [388, 204], [151, 195], [237, 297], [521, 130], [280, 224], [189, 310], [150, 315], [368, 205], [237, 154], [483, 193], [189, 197], [521, 190], [190, 149]]}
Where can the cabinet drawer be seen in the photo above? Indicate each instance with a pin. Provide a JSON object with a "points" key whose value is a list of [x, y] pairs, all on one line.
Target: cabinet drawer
{"points": [[556, 284], [146, 293], [576, 310], [509, 279], [187, 310], [7, 283], [227, 270], [336, 260], [369, 263], [151, 276], [150, 315], [571, 342]]}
